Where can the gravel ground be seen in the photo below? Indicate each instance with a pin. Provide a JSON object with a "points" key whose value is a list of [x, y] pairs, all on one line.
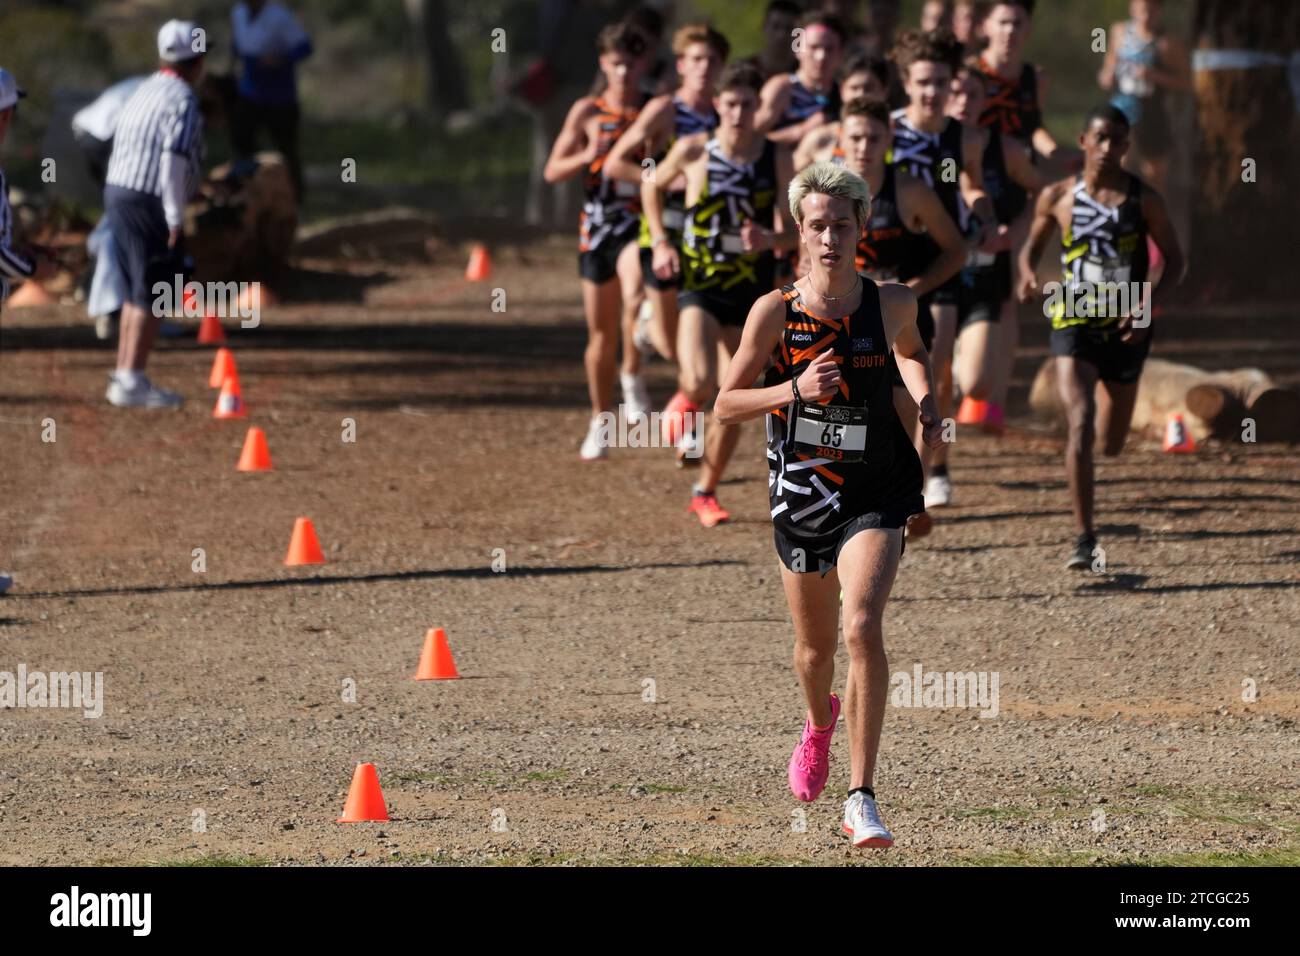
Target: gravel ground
{"points": [[1123, 732]]}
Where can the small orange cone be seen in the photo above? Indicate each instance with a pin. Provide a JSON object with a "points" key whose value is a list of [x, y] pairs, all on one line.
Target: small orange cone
{"points": [[365, 802], [230, 403], [256, 456], [223, 367], [30, 293], [972, 411], [210, 331], [1177, 437], [436, 662], [480, 263], [303, 546]]}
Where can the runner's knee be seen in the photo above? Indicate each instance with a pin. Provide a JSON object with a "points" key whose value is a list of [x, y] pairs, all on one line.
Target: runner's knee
{"points": [[863, 633]]}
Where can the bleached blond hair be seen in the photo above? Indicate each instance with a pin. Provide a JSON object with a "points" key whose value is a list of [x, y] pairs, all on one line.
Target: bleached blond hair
{"points": [[830, 179]]}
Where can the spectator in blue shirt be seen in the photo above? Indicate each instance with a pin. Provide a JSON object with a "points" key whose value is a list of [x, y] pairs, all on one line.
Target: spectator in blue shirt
{"points": [[269, 42]]}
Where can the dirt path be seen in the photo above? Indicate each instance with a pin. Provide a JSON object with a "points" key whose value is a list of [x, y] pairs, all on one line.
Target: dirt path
{"points": [[1121, 732]]}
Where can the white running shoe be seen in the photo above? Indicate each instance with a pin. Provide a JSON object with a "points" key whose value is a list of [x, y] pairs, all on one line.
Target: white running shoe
{"points": [[636, 400], [862, 822], [592, 449], [641, 333], [938, 491], [105, 327], [689, 451], [145, 394]]}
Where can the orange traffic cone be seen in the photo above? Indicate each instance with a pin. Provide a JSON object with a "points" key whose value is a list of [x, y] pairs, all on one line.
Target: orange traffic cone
{"points": [[223, 367], [30, 293], [1177, 437], [230, 403], [365, 799], [480, 263], [436, 662], [256, 456], [210, 331], [303, 546], [972, 411]]}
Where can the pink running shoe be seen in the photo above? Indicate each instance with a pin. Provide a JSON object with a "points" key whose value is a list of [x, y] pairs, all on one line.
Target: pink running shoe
{"points": [[810, 762], [994, 423]]}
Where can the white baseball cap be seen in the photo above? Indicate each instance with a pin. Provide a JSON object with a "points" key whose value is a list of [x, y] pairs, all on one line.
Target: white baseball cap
{"points": [[176, 41], [9, 91]]}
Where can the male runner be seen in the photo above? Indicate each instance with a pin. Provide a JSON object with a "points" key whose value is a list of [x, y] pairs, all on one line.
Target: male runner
{"points": [[777, 55], [1105, 215], [986, 317], [843, 475], [701, 52], [795, 103], [608, 260], [727, 262], [947, 156], [863, 74]]}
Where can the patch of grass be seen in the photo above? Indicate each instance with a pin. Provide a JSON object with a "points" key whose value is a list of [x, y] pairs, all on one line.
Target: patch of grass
{"points": [[543, 776], [1273, 856], [1025, 858], [662, 788]]}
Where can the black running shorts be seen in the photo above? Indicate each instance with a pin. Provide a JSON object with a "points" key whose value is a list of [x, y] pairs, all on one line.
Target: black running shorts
{"points": [[822, 553], [599, 265], [1116, 361], [648, 272]]}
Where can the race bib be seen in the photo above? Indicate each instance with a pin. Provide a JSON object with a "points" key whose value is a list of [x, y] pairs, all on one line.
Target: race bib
{"points": [[731, 244], [674, 220], [980, 260], [1097, 272], [835, 432]]}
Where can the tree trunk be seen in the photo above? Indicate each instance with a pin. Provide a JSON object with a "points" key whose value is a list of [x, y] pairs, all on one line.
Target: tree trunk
{"points": [[447, 91], [1243, 234]]}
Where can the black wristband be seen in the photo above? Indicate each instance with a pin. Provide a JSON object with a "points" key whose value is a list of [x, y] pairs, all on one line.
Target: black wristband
{"points": [[794, 385]]}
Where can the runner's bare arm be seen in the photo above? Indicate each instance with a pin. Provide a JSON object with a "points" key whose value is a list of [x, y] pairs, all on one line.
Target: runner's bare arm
{"points": [[921, 205], [681, 155], [645, 137], [572, 152], [898, 310], [773, 98], [971, 181], [1040, 230], [812, 145], [737, 400], [1106, 75]]}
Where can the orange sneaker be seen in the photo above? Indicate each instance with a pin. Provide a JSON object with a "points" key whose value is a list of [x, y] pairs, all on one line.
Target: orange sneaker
{"points": [[672, 420], [704, 505]]}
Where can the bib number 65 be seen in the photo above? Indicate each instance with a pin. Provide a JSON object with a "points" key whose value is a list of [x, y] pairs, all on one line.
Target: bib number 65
{"points": [[832, 435]]}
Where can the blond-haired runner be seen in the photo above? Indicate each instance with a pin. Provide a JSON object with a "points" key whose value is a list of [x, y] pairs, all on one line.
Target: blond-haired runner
{"points": [[844, 476]]}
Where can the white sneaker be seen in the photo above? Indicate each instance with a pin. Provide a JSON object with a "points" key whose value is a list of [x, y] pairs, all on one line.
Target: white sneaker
{"points": [[938, 491], [636, 400], [145, 394], [105, 328], [641, 333], [592, 449], [862, 822], [688, 449]]}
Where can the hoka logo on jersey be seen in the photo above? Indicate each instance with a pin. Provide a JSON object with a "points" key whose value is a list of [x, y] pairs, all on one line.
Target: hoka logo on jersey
{"points": [[801, 337]]}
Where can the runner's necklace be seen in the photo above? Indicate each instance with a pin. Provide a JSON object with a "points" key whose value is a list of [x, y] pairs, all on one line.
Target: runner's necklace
{"points": [[834, 298]]}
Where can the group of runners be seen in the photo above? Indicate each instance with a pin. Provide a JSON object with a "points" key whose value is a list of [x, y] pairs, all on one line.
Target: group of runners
{"points": [[837, 245]]}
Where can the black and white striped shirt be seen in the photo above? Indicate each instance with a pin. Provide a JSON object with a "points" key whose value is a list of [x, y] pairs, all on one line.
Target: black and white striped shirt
{"points": [[161, 116], [11, 263]]}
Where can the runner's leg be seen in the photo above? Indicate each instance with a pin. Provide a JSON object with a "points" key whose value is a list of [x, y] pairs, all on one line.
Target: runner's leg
{"points": [[601, 305], [814, 607], [720, 440], [631, 287], [1115, 403], [945, 334], [868, 564], [1076, 381]]}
